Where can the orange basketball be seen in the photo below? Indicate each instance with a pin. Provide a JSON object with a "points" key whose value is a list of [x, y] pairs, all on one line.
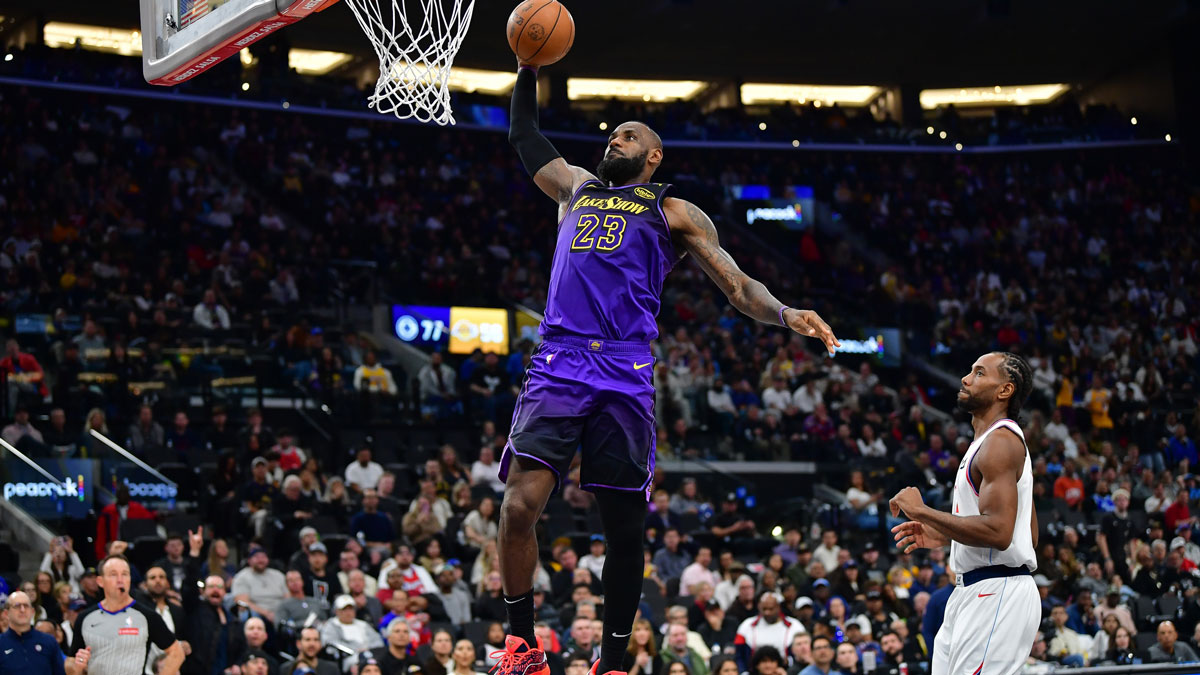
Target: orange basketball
{"points": [[540, 32]]}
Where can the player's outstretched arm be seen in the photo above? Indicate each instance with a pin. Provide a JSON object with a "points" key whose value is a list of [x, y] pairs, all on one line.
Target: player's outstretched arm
{"points": [[694, 230], [549, 170], [999, 461]]}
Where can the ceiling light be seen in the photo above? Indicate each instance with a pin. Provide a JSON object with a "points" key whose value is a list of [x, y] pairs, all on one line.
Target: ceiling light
{"points": [[245, 86], [762, 126], [93, 38], [581, 88], [958, 146], [315, 62], [929, 130], [758, 93], [604, 126], [1168, 137], [1028, 94], [942, 135], [1133, 121]]}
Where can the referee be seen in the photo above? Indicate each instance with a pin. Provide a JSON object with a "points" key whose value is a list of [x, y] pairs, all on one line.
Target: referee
{"points": [[114, 636]]}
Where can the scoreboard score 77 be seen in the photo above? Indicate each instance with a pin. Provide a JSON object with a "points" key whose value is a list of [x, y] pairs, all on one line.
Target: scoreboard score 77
{"points": [[459, 330]]}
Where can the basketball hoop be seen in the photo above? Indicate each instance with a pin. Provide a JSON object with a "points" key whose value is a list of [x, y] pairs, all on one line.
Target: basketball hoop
{"points": [[415, 54]]}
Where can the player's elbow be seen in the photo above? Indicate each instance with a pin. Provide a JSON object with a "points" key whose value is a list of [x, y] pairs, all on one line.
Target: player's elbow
{"points": [[519, 134], [1002, 538]]}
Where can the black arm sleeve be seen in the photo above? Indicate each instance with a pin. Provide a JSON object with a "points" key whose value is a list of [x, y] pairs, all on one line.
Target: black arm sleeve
{"points": [[533, 148]]}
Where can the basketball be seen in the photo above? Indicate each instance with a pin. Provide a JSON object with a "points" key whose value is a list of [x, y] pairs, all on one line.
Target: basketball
{"points": [[540, 32]]}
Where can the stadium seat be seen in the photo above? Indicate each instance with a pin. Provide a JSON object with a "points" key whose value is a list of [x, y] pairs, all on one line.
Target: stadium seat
{"points": [[1143, 608], [1168, 604], [1144, 640], [181, 524], [475, 631], [324, 525], [136, 528]]}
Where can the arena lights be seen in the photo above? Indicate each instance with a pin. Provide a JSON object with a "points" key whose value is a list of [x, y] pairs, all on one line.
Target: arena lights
{"points": [[942, 135], [958, 147], [929, 130], [8, 57], [245, 86], [604, 126], [759, 93], [1133, 121], [795, 144], [1027, 94], [762, 126], [92, 38], [583, 88], [1168, 138], [470, 80], [315, 62]]}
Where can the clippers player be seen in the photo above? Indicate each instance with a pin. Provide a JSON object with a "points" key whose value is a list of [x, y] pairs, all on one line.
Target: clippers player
{"points": [[993, 613], [590, 386]]}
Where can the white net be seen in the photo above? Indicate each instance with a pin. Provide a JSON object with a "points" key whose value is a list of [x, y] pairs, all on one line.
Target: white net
{"points": [[415, 54]]}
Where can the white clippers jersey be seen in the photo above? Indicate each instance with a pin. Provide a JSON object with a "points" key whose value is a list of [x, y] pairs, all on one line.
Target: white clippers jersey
{"points": [[966, 503]]}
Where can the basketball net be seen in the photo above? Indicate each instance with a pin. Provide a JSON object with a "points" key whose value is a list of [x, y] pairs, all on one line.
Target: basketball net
{"points": [[415, 54]]}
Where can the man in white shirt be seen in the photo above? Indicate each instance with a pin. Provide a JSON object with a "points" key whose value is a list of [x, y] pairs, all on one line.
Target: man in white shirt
{"points": [[416, 579], [777, 400], [485, 471], [769, 628], [827, 552], [209, 315], [363, 473], [594, 560], [1044, 377], [807, 398]]}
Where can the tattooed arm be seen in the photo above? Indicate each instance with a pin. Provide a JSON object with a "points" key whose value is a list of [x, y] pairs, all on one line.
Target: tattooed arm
{"points": [[693, 230]]}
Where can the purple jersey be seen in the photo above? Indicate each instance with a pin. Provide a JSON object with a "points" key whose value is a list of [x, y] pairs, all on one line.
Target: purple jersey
{"points": [[613, 252]]}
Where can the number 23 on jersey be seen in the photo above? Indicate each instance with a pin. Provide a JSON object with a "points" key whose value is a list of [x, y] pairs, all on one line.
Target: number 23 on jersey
{"points": [[592, 233]]}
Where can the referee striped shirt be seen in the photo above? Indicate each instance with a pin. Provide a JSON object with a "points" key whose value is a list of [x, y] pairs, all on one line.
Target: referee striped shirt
{"points": [[120, 640]]}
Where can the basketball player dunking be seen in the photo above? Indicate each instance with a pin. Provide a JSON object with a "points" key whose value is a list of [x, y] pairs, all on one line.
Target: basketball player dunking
{"points": [[591, 386], [993, 613]]}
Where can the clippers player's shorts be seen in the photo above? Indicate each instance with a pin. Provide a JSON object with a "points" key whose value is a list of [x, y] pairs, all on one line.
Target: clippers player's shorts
{"points": [[591, 395], [989, 627]]}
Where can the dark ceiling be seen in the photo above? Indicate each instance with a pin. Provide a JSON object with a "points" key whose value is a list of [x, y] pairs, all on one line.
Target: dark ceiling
{"points": [[929, 42]]}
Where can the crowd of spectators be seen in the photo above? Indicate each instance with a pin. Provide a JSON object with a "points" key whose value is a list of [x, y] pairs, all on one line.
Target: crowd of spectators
{"points": [[149, 238]]}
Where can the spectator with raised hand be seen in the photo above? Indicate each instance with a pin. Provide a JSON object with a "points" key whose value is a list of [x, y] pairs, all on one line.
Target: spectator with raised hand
{"points": [[63, 563]]}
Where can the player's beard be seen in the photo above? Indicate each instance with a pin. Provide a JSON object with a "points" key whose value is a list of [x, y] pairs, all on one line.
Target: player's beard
{"points": [[619, 169], [971, 403]]}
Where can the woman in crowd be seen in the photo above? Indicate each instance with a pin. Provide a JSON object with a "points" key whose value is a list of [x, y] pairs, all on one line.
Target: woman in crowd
{"points": [[492, 645], [461, 501], [219, 562], [63, 563], [480, 524], [1104, 638], [486, 562], [431, 558], [463, 659], [641, 657]]}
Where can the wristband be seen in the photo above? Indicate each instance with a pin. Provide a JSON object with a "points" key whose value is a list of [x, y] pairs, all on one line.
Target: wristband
{"points": [[782, 309]]}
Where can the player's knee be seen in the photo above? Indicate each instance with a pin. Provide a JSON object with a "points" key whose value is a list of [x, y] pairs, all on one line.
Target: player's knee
{"points": [[518, 513]]}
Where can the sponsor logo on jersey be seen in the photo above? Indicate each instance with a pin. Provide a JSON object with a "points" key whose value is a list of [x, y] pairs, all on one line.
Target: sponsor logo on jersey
{"points": [[643, 193], [610, 204], [127, 631]]}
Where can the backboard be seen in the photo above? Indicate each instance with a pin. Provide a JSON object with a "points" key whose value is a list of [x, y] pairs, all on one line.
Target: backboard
{"points": [[183, 38]]}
